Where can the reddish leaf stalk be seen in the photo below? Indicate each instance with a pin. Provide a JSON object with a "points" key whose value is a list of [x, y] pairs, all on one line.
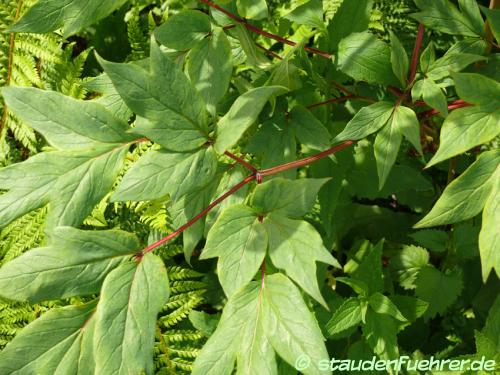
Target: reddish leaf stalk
{"points": [[239, 160], [259, 31], [340, 100], [451, 106], [257, 175], [416, 53]]}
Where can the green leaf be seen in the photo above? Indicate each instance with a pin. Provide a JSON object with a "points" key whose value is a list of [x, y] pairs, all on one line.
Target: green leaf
{"points": [[308, 129], [412, 308], [53, 115], [71, 15], [489, 237], [493, 16], [443, 16], [261, 317], [406, 121], [75, 263], [380, 332], [399, 60], [351, 17], [346, 316], [466, 128], [58, 343], [289, 325], [309, 14], [470, 10], [295, 246], [427, 57], [383, 305], [252, 9], [476, 88], [432, 239], [239, 239], [239, 335], [292, 198], [407, 263], [183, 30], [171, 112], [438, 289], [160, 172], [366, 58], [131, 297], [242, 114], [386, 147], [255, 56], [450, 63], [286, 74], [210, 67], [359, 286], [465, 196], [367, 266], [93, 144], [434, 97], [367, 121]]}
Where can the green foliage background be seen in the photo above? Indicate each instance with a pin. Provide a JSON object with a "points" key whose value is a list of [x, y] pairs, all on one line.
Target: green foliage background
{"points": [[399, 290]]}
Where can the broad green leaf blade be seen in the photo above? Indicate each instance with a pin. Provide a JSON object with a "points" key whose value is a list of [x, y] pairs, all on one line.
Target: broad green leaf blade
{"points": [[493, 16], [286, 74], [383, 305], [470, 10], [406, 122], [75, 263], [386, 148], [366, 58], [489, 237], [443, 16], [351, 17], [308, 129], [59, 341], [239, 335], [254, 56], [380, 332], [172, 111], [309, 14], [399, 60], [71, 15], [160, 172], [476, 88], [346, 316], [242, 114], [183, 30], [451, 62], [73, 182], [210, 67], [290, 326], [411, 308], [53, 115], [131, 297], [240, 242], [466, 128], [432, 239], [252, 9], [434, 97], [295, 246], [407, 263], [292, 198], [427, 57], [367, 121], [366, 266], [438, 289], [465, 196]]}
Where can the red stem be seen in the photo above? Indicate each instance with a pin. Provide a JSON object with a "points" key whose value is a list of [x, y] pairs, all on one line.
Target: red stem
{"points": [[259, 31], [340, 100], [416, 53], [239, 160], [256, 175], [181, 229], [451, 106]]}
